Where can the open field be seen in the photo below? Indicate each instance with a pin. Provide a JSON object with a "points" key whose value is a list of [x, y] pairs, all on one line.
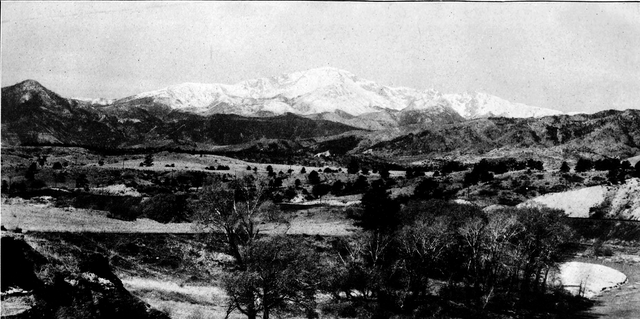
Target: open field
{"points": [[44, 218], [178, 270]]}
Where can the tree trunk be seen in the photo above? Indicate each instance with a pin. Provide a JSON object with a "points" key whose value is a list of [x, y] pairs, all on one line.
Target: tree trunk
{"points": [[265, 313], [544, 283]]}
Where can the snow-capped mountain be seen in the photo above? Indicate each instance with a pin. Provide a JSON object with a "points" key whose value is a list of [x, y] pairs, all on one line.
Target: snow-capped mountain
{"points": [[325, 90], [309, 92], [479, 105]]}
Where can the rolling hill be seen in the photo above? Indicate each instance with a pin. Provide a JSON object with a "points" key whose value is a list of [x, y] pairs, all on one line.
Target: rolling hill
{"points": [[606, 133]]}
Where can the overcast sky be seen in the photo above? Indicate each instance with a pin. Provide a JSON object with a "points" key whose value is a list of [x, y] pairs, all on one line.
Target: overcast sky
{"points": [[565, 56]]}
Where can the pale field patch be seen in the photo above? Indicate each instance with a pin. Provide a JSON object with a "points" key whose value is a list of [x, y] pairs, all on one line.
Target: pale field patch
{"points": [[589, 279], [206, 295], [624, 199], [575, 203], [196, 163], [180, 301], [55, 219], [30, 217]]}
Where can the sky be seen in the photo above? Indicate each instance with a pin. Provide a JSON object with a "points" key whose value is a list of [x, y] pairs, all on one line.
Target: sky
{"points": [[581, 57]]}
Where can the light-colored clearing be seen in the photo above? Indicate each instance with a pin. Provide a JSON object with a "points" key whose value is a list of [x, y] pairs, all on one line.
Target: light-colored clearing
{"points": [[575, 203], [624, 200], [44, 218], [590, 279], [180, 301], [54, 219], [200, 294]]}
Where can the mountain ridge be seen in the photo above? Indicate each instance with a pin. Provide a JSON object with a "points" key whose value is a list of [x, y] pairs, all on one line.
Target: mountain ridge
{"points": [[606, 133], [34, 115], [324, 90]]}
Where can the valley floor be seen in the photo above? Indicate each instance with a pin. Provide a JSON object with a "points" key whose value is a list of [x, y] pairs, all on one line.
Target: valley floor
{"points": [[45, 218]]}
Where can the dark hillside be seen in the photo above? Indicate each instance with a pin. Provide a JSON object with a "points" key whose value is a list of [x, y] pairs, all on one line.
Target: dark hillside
{"points": [[33, 115], [611, 133]]}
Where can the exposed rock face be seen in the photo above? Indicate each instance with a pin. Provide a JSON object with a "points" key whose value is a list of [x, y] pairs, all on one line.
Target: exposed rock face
{"points": [[34, 287]]}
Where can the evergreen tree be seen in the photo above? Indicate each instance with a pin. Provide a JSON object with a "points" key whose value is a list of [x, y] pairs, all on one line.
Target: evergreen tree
{"points": [[384, 173], [565, 167], [148, 160], [354, 166], [380, 211], [314, 178], [583, 165]]}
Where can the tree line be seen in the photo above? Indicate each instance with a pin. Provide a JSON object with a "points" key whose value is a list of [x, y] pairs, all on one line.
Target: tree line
{"points": [[410, 259]]}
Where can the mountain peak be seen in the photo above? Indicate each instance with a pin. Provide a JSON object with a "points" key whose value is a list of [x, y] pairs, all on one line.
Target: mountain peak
{"points": [[29, 85]]}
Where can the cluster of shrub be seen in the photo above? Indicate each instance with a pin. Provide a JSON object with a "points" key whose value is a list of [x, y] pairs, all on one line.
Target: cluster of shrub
{"points": [[218, 168], [483, 263], [486, 261], [617, 170], [163, 208]]}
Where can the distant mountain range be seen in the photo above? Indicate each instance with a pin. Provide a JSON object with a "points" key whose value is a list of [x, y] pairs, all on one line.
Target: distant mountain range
{"points": [[331, 94], [34, 115], [318, 110]]}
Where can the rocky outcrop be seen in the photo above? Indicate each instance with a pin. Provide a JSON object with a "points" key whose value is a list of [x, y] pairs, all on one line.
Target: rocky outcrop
{"points": [[34, 286]]}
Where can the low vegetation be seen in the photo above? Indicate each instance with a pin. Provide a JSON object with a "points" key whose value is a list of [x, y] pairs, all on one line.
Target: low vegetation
{"points": [[422, 246]]}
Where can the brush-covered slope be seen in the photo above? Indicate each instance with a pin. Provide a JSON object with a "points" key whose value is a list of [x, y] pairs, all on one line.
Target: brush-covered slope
{"points": [[608, 133]]}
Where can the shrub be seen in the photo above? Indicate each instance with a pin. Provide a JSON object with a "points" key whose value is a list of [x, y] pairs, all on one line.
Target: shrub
{"points": [[38, 183], [354, 166], [123, 211], [148, 160], [164, 208], [600, 249], [314, 178], [583, 165], [320, 190]]}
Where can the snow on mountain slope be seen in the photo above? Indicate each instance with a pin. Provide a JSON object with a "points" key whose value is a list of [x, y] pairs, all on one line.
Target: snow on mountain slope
{"points": [[478, 105], [98, 101], [324, 90]]}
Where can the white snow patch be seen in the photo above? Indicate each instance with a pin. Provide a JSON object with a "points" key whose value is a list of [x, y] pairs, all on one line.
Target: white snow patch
{"points": [[589, 279], [478, 105], [328, 90]]}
